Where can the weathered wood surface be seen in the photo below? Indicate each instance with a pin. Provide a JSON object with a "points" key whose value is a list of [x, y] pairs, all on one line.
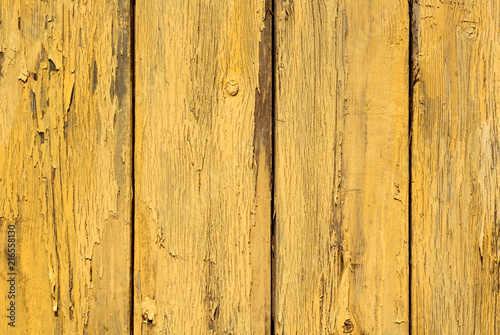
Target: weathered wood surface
{"points": [[203, 167], [341, 173], [65, 171], [455, 169], [203, 261]]}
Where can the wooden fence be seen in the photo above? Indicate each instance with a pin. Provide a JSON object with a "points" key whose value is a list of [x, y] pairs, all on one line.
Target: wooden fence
{"points": [[250, 167]]}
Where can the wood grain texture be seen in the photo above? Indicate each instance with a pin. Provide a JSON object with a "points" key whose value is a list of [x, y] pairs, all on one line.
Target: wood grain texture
{"points": [[65, 171], [341, 173], [455, 169], [203, 160]]}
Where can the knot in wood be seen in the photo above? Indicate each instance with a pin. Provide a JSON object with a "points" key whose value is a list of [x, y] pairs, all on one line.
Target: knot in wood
{"points": [[232, 87], [348, 326]]}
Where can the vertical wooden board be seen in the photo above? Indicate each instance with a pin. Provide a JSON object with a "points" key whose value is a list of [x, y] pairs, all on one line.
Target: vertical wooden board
{"points": [[65, 172], [203, 160], [455, 169], [342, 162]]}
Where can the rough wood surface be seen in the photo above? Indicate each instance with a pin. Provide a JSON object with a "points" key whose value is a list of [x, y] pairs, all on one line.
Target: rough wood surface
{"points": [[341, 201], [455, 168], [203, 160], [65, 171]]}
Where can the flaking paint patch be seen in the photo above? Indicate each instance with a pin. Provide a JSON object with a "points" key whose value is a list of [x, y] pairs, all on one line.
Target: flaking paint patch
{"points": [[58, 146], [95, 76], [149, 310], [340, 251], [2, 59], [33, 104], [212, 197], [455, 177]]}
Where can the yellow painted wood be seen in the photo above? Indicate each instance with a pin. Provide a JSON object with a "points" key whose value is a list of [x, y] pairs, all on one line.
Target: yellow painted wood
{"points": [[455, 169], [65, 165], [202, 167], [341, 174]]}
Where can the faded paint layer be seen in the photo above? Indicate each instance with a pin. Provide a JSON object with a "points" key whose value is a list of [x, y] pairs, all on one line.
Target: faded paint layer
{"points": [[341, 174], [203, 216], [455, 167], [65, 172]]}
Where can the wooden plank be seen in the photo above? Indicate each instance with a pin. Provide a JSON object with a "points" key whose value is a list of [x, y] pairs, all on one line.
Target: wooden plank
{"points": [[341, 173], [203, 160], [65, 173], [455, 169]]}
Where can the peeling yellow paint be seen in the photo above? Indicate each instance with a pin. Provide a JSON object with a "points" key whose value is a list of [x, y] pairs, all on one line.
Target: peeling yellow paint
{"points": [[149, 310], [66, 165], [341, 173], [205, 259], [203, 166], [455, 171]]}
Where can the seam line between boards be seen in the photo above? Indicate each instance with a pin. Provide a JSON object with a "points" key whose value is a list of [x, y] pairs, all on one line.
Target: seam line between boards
{"points": [[411, 82], [132, 118], [272, 11]]}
